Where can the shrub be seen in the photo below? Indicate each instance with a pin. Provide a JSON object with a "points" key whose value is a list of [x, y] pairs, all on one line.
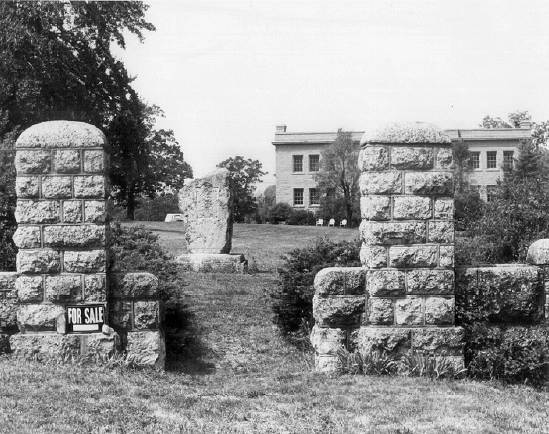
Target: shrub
{"points": [[137, 249], [475, 251], [512, 355], [8, 251], [293, 297], [468, 209], [280, 212], [301, 217]]}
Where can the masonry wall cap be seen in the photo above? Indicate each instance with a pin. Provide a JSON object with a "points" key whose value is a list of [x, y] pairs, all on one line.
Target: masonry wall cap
{"points": [[405, 132], [61, 134]]}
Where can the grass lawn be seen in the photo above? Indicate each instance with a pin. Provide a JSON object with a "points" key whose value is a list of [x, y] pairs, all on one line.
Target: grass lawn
{"points": [[236, 375]]}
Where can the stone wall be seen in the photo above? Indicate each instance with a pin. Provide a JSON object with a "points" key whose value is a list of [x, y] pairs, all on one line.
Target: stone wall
{"points": [[137, 313], [62, 236], [407, 301]]}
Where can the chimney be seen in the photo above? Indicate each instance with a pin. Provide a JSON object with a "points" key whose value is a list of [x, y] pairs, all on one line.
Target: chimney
{"points": [[525, 124], [281, 128]]}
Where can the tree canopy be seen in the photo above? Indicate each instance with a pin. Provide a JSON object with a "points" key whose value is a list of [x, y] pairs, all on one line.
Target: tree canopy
{"points": [[244, 175]]}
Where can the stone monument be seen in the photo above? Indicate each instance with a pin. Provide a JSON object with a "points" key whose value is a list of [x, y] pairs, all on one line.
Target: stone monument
{"points": [[206, 207]]}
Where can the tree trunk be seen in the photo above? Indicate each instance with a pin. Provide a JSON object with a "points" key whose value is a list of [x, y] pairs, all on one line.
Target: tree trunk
{"points": [[130, 208]]}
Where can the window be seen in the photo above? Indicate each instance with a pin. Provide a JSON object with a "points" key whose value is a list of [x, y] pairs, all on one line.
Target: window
{"points": [[475, 160], [490, 192], [314, 196], [298, 197], [508, 159], [314, 163], [298, 163], [491, 159]]}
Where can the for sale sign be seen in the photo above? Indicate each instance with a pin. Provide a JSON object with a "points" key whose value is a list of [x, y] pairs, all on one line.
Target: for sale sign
{"points": [[85, 318]]}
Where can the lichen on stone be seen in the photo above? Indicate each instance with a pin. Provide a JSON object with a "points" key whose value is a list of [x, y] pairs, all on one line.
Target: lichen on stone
{"points": [[410, 132]]}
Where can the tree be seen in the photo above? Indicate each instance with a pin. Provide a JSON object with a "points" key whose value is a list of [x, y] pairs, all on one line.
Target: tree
{"points": [[265, 202], [461, 165], [56, 63], [339, 173], [244, 175], [540, 130]]}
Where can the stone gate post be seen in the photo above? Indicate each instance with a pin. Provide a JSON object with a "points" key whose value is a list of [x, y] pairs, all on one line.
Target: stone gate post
{"points": [[407, 231], [62, 232]]}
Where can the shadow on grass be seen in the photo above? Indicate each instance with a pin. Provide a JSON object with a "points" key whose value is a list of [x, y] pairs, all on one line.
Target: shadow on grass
{"points": [[185, 351]]}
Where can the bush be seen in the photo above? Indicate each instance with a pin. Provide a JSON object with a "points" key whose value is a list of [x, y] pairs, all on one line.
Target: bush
{"points": [[301, 218], [476, 251], [293, 297], [512, 355], [8, 251], [137, 249], [280, 212], [468, 209]]}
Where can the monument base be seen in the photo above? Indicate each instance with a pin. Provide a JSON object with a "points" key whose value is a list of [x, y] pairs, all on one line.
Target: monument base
{"points": [[213, 262], [69, 347]]}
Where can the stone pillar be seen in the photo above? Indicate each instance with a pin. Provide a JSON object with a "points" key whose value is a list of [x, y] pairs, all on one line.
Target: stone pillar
{"points": [[538, 254], [61, 212], [407, 231]]}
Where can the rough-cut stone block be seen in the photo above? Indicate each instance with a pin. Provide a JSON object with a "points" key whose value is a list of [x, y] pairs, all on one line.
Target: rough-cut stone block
{"points": [[386, 283], [538, 253], [444, 208], [27, 187], [507, 293], [327, 340], [373, 256], [406, 132], [412, 207], [134, 285], [8, 314], [38, 261], [375, 207], [67, 161], [389, 182], [61, 134], [213, 263], [429, 183], [27, 237], [447, 256], [327, 363], [441, 232], [32, 162], [389, 340], [121, 314], [340, 281], [380, 311], [63, 288], [72, 211], [413, 256], [338, 311], [39, 317], [89, 186], [439, 311], [421, 281], [94, 211], [373, 158], [95, 289], [7, 280], [100, 344], [146, 315], [445, 341], [206, 206], [32, 211], [74, 236], [45, 346], [90, 261], [146, 348], [409, 311], [94, 161], [30, 289], [444, 158], [56, 187], [388, 233], [411, 157]]}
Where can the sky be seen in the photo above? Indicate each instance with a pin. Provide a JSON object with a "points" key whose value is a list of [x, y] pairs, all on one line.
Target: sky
{"points": [[227, 72]]}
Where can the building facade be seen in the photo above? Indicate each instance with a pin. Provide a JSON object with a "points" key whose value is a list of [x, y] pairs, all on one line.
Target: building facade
{"points": [[298, 157]]}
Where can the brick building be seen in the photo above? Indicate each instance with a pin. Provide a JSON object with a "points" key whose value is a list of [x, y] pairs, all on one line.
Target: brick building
{"points": [[298, 158]]}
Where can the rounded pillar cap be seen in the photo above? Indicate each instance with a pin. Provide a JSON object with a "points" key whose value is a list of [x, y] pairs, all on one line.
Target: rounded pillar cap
{"points": [[538, 253], [61, 134], [405, 132]]}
